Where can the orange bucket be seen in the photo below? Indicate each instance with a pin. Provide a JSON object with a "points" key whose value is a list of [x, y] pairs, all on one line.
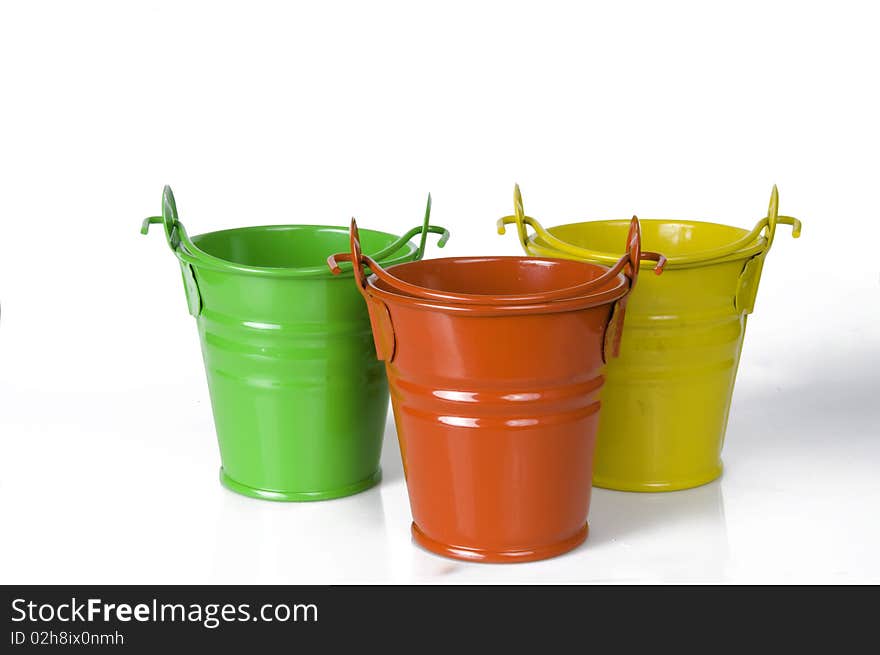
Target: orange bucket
{"points": [[495, 367]]}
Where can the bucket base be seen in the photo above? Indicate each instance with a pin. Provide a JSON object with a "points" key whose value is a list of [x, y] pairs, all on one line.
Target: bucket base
{"points": [[299, 496], [673, 485], [499, 557]]}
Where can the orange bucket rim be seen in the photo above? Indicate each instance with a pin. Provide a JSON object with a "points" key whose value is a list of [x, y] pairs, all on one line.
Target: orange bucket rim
{"points": [[593, 291], [616, 288]]}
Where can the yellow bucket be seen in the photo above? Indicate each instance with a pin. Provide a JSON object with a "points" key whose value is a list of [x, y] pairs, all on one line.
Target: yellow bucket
{"points": [[667, 396]]}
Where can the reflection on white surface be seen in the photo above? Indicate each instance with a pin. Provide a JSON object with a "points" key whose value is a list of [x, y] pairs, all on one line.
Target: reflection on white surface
{"points": [[332, 541], [677, 535], [803, 454], [287, 543]]}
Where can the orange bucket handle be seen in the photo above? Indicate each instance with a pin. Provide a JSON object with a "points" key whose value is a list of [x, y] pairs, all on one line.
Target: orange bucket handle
{"points": [[627, 264], [634, 257], [636, 254], [380, 319]]}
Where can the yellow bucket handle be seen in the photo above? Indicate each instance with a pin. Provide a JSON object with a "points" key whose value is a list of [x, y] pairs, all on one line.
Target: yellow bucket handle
{"points": [[767, 224], [750, 277]]}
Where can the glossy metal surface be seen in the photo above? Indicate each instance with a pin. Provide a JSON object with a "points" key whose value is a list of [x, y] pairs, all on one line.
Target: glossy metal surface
{"points": [[299, 399], [667, 397], [495, 367]]}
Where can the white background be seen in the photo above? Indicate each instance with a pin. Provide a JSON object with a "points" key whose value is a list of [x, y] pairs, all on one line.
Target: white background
{"points": [[262, 112]]}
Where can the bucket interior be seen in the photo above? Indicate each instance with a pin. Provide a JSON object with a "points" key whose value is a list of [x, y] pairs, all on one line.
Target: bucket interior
{"points": [[290, 246], [496, 276], [670, 237]]}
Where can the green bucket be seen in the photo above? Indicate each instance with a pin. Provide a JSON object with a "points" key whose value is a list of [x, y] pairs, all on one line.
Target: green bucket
{"points": [[299, 397]]}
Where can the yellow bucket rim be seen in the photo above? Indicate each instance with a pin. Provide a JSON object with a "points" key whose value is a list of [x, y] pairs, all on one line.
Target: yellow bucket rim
{"points": [[749, 244]]}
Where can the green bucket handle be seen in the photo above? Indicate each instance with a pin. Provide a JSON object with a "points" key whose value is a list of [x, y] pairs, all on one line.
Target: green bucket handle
{"points": [[190, 254], [168, 218], [174, 235], [423, 229], [735, 250]]}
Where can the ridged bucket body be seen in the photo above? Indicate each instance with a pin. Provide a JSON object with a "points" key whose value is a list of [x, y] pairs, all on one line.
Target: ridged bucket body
{"points": [[289, 425], [496, 408], [667, 397], [298, 397]]}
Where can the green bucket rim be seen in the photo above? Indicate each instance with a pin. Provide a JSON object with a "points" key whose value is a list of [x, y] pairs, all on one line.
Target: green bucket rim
{"points": [[407, 250], [188, 252]]}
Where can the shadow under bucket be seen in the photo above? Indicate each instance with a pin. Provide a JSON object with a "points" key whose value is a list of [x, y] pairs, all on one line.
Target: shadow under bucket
{"points": [[495, 367], [667, 397], [298, 397]]}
